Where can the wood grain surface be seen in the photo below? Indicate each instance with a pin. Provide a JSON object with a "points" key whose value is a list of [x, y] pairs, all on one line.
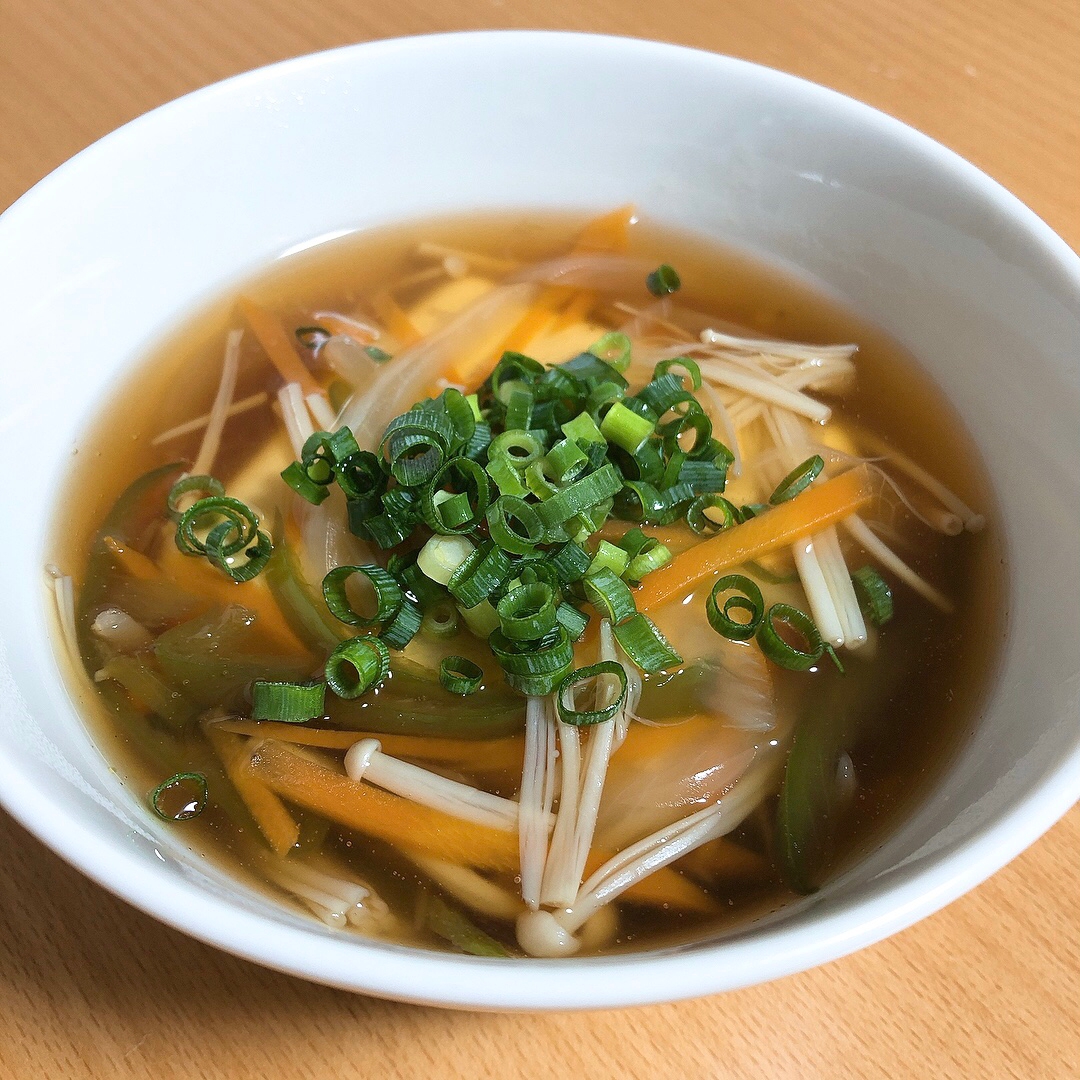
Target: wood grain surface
{"points": [[988, 988]]}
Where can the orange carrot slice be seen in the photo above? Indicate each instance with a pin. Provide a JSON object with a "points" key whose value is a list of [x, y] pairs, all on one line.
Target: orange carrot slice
{"points": [[277, 346]]}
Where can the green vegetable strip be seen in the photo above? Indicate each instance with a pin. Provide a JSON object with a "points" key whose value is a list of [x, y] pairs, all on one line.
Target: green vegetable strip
{"points": [[287, 701], [625, 428], [610, 596], [204, 485], [403, 627]]}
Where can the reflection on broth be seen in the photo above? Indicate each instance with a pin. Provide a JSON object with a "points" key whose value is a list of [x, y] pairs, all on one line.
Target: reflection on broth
{"points": [[613, 608]]}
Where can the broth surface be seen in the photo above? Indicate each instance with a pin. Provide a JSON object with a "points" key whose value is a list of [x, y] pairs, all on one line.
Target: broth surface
{"points": [[913, 703]]}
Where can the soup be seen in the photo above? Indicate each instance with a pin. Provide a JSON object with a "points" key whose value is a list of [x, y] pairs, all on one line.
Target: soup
{"points": [[522, 585]]}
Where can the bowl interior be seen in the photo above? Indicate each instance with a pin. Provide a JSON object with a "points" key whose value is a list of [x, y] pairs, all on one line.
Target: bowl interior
{"points": [[120, 243]]}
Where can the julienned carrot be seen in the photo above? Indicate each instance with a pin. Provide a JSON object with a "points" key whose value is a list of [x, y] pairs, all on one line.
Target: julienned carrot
{"points": [[273, 819], [134, 563], [277, 346], [489, 755], [535, 320], [394, 319], [378, 813], [608, 232], [369, 809], [815, 509]]}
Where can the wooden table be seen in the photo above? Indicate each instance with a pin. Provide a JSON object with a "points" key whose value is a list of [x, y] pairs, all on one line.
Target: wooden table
{"points": [[988, 988]]}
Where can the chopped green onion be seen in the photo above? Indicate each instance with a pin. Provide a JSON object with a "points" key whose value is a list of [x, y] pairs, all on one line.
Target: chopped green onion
{"points": [[610, 595], [581, 495], [380, 356], [540, 667], [798, 480], [642, 641], [784, 654], [750, 601], [442, 555], [663, 281], [482, 573], [565, 461], [461, 512], [289, 702], [403, 627], [204, 485], [570, 562], [507, 478], [608, 556], [689, 366], [527, 613], [519, 448], [625, 428], [704, 523], [255, 557], [614, 349], [582, 429], [572, 620], [874, 595], [295, 475], [357, 665], [519, 408], [388, 595], [651, 557], [460, 675], [241, 526], [481, 619], [188, 789], [515, 525], [564, 699]]}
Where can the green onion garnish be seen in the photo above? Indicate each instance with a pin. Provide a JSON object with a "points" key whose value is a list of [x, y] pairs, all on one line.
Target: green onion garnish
{"points": [[380, 356], [460, 675], [356, 666], [440, 620], [515, 525], [388, 595], [403, 627], [704, 524], [610, 595], [689, 366], [535, 667], [750, 602], [210, 514], [289, 702], [780, 651], [625, 428], [204, 485], [613, 349], [180, 798], [527, 613], [874, 595], [564, 699], [642, 641], [663, 281], [798, 480]]}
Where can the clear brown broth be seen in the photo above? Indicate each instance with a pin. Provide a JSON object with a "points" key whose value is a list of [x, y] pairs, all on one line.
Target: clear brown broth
{"points": [[941, 666]]}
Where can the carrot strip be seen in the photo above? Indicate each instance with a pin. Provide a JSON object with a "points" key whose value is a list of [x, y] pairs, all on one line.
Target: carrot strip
{"points": [[608, 232], [134, 563], [379, 813], [815, 509], [198, 578], [277, 346], [535, 320], [488, 755], [394, 319], [273, 819]]}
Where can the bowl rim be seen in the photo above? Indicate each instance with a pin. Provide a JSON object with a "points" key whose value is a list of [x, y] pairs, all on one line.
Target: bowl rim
{"points": [[467, 982]]}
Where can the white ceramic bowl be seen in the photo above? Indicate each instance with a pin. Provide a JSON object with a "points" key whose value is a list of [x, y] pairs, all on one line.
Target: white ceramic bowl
{"points": [[118, 244]]}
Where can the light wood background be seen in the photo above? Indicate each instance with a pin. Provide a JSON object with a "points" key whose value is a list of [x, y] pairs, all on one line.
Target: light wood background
{"points": [[988, 988]]}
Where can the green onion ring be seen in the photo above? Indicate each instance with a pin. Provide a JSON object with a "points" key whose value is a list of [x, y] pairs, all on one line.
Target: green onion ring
{"points": [[192, 809], [702, 523], [369, 659], [874, 595], [460, 675], [207, 485], [242, 525], [798, 480], [778, 650], [530, 532], [614, 349], [287, 702], [583, 718], [388, 595], [663, 281], [256, 556], [640, 638], [750, 601], [527, 613]]}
